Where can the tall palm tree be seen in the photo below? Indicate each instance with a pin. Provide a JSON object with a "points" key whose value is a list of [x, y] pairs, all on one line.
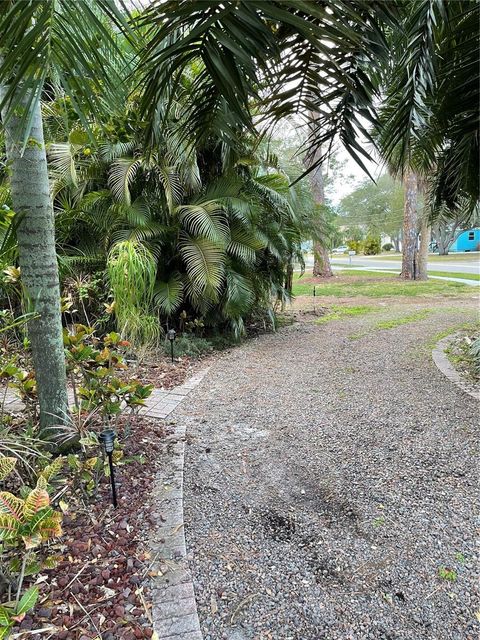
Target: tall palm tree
{"points": [[46, 44], [428, 123]]}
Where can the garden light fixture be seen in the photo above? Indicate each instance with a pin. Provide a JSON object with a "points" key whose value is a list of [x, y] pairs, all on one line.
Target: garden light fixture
{"points": [[171, 335], [107, 438]]}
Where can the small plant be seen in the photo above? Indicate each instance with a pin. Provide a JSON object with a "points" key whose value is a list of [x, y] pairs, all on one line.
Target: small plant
{"points": [[447, 574], [93, 366], [26, 524], [190, 346], [459, 557], [475, 354], [89, 467], [378, 522], [388, 246]]}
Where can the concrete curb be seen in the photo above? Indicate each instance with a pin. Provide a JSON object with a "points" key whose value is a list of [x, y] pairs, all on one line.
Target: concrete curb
{"points": [[443, 363], [174, 607]]}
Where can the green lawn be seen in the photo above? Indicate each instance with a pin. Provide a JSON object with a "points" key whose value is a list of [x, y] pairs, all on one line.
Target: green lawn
{"points": [[373, 285], [449, 274], [433, 257], [445, 274]]}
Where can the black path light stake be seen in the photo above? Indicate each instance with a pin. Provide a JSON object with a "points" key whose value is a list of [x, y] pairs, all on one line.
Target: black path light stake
{"points": [[107, 438], [314, 294], [171, 335]]}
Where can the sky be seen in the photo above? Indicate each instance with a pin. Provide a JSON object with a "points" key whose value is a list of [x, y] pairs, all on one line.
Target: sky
{"points": [[352, 175]]}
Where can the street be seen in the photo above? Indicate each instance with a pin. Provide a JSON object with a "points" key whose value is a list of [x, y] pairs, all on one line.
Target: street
{"points": [[448, 265]]}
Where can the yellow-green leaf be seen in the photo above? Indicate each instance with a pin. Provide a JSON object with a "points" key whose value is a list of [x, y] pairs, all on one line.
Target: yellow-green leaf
{"points": [[11, 505], [36, 500], [7, 465]]}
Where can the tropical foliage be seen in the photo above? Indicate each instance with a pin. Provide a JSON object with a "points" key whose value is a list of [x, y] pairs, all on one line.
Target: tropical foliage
{"points": [[179, 228]]}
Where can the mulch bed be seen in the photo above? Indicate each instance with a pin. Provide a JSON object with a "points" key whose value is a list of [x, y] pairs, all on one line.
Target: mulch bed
{"points": [[163, 374], [99, 590]]}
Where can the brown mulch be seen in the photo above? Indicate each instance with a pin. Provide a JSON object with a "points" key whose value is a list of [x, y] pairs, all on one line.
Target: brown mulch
{"points": [[99, 589], [163, 374]]}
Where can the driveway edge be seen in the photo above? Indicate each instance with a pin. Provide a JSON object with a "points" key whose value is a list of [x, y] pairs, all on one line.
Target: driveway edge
{"points": [[174, 607], [443, 363]]}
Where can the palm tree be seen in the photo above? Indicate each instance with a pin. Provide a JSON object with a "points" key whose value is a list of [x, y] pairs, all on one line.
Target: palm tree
{"points": [[200, 241], [257, 57], [428, 125], [45, 44]]}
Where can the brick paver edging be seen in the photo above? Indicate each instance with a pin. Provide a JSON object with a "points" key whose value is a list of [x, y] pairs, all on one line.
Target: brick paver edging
{"points": [[443, 363], [174, 608]]}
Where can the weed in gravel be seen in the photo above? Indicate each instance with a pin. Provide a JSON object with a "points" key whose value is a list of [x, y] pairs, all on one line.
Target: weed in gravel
{"points": [[339, 312], [432, 342], [378, 522], [397, 322], [447, 574]]}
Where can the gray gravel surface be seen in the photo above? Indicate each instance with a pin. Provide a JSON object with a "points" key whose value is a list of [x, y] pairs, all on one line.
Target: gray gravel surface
{"points": [[328, 480]]}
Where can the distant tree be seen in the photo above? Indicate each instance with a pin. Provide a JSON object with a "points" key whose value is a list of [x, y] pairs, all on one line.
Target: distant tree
{"points": [[321, 264], [376, 208]]}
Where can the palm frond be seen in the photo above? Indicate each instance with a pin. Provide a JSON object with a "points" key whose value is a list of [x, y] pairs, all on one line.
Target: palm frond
{"points": [[121, 174], [204, 263], [168, 296], [207, 220], [239, 295], [72, 42]]}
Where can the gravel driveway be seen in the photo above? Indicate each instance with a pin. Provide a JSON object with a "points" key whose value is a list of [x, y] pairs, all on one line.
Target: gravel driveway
{"points": [[330, 488]]}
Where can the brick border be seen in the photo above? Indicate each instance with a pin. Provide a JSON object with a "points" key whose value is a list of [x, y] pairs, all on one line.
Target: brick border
{"points": [[174, 607], [445, 366]]}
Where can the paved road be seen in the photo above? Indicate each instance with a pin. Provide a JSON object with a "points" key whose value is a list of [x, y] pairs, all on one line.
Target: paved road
{"points": [[460, 266]]}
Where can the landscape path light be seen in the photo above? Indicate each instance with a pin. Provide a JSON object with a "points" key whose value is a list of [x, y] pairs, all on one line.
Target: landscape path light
{"points": [[171, 335], [107, 438]]}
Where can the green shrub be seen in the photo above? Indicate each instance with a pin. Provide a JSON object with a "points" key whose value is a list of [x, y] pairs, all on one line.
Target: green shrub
{"points": [[188, 345], [355, 245], [388, 246], [372, 246]]}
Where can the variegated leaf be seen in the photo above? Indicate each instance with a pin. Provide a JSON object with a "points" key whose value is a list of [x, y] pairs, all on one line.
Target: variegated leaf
{"points": [[37, 499], [11, 505], [7, 465]]}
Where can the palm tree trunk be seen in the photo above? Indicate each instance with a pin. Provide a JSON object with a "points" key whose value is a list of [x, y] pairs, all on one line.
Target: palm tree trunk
{"points": [[321, 260], [410, 227], [38, 263], [422, 258]]}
